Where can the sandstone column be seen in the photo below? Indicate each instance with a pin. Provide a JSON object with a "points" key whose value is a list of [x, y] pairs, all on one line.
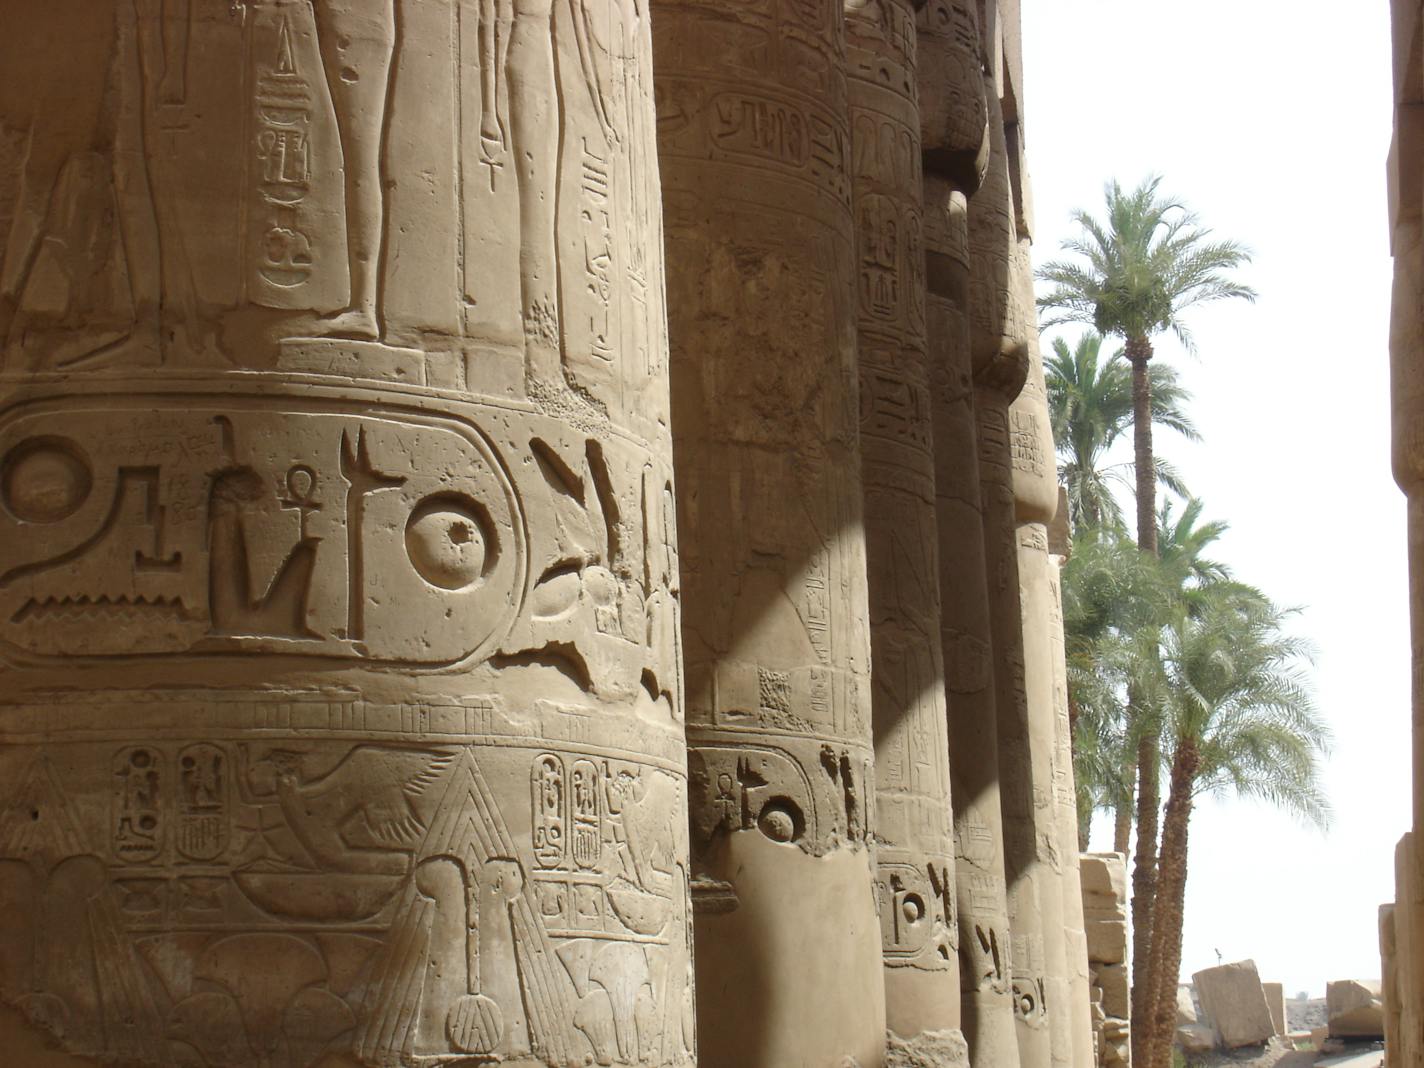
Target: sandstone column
{"points": [[1035, 502], [755, 154], [954, 124], [914, 831], [342, 716], [1000, 326], [1065, 799], [1389, 986], [1406, 219]]}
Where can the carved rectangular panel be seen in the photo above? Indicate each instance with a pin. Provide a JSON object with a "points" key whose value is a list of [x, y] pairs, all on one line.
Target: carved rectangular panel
{"points": [[210, 525]]}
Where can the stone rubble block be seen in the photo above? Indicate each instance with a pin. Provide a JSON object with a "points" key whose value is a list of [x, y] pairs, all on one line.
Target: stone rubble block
{"points": [[1233, 1000], [1186, 1007], [1196, 1038], [1356, 1008]]}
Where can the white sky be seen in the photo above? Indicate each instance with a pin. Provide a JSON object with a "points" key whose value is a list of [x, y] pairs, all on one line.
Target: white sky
{"points": [[1272, 119]]}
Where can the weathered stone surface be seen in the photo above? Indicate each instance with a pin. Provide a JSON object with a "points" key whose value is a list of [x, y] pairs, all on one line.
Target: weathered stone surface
{"points": [[1196, 1038], [1356, 1008], [1186, 1007], [915, 882], [1107, 940], [1406, 199], [955, 142], [342, 703], [755, 151], [1234, 1003], [1112, 979], [929, 1049], [1103, 878], [1390, 991], [1276, 1002], [1104, 881]]}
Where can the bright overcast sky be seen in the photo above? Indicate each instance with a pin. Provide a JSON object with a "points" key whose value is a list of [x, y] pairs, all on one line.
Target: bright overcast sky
{"points": [[1272, 120]]}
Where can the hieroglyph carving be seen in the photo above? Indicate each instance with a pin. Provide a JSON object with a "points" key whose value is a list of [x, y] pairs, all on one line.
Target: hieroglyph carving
{"points": [[195, 535], [367, 187], [339, 630], [367, 898]]}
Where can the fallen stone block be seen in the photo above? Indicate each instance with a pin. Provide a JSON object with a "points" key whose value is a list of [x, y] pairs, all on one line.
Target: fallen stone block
{"points": [[1234, 1002], [1196, 1038], [1356, 1009], [1186, 1007]]}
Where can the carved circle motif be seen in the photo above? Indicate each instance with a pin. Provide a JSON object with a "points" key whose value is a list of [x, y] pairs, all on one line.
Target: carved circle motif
{"points": [[450, 541], [781, 821], [44, 480], [913, 908], [474, 1024]]}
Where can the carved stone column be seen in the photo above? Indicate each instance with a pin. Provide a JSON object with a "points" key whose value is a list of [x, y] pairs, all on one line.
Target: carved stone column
{"points": [[954, 124], [755, 144], [1000, 324], [1065, 799], [914, 832], [342, 715], [1035, 503]]}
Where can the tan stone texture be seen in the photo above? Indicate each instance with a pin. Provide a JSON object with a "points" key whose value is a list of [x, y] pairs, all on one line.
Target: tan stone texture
{"points": [[999, 352], [954, 125], [914, 835], [1103, 882], [1234, 1003], [755, 147], [1356, 1008], [1389, 969], [1276, 1002], [1406, 199], [1409, 948], [1065, 797], [342, 709]]}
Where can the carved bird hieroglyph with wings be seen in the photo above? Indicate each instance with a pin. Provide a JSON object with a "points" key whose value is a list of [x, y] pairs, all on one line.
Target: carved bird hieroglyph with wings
{"points": [[360, 816]]}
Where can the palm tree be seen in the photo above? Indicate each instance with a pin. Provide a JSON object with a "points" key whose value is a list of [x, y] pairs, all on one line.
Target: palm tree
{"points": [[1090, 406], [1113, 601], [1239, 719], [1139, 272], [1116, 602]]}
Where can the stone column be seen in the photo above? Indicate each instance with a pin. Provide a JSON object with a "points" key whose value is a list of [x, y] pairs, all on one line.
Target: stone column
{"points": [[1389, 986], [1406, 218], [1408, 938], [342, 714], [755, 156], [1035, 503], [914, 832], [1000, 325], [954, 125], [1065, 798]]}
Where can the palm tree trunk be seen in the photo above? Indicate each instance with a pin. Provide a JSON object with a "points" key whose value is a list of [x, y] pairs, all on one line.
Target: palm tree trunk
{"points": [[1122, 817], [1122, 828], [1169, 911], [1144, 893], [1139, 351]]}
